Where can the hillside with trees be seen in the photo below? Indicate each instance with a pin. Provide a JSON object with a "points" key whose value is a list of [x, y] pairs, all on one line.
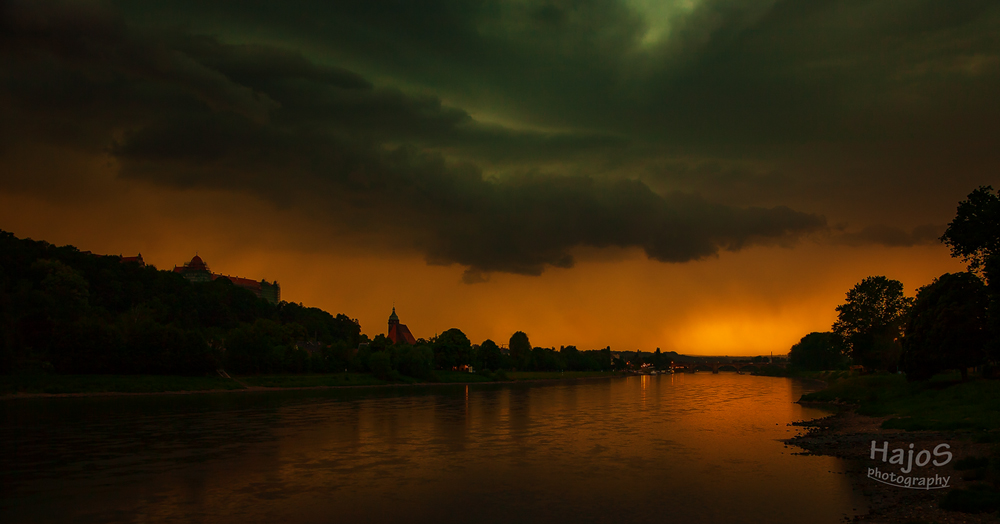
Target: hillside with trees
{"points": [[66, 311]]}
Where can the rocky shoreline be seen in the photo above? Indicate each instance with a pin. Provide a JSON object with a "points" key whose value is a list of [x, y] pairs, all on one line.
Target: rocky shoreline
{"points": [[849, 436]]}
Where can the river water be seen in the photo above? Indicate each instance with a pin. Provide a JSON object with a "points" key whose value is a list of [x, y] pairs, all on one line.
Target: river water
{"points": [[672, 448]]}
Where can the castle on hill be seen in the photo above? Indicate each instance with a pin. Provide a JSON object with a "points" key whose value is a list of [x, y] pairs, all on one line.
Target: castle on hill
{"points": [[137, 259], [399, 332], [197, 271]]}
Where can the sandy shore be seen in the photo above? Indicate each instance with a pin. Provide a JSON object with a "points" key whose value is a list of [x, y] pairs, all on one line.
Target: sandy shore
{"points": [[849, 436]]}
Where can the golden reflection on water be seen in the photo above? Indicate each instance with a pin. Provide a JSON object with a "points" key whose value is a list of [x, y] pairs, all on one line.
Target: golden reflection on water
{"points": [[692, 448]]}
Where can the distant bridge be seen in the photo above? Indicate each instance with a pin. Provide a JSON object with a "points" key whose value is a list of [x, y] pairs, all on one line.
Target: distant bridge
{"points": [[716, 365]]}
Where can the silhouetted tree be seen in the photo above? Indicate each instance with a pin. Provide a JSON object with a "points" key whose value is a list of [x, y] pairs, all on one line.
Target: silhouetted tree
{"points": [[380, 364], [320, 325], [489, 355], [606, 362], [257, 348], [520, 350], [452, 348], [546, 359], [64, 287], [974, 234], [572, 358], [380, 343], [415, 361], [946, 328], [359, 361], [871, 321], [819, 351]]}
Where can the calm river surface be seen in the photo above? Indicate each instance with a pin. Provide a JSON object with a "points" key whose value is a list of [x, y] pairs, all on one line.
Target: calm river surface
{"points": [[680, 448]]}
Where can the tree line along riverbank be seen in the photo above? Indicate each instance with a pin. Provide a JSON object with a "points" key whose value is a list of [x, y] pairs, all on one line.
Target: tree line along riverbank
{"points": [[952, 323], [68, 312]]}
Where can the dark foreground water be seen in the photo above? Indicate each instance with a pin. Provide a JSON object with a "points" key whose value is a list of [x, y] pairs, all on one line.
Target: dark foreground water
{"points": [[681, 448]]}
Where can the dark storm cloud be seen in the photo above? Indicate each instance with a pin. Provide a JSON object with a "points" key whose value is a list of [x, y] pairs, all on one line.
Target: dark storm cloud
{"points": [[270, 122], [97, 43], [502, 135], [900, 83], [890, 236], [804, 71], [451, 212], [260, 66], [727, 182], [760, 71]]}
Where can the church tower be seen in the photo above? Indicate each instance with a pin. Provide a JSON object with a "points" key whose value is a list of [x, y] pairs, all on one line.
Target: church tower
{"points": [[399, 332]]}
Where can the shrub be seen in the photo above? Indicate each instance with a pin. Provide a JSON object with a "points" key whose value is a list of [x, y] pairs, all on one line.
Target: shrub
{"points": [[380, 365]]}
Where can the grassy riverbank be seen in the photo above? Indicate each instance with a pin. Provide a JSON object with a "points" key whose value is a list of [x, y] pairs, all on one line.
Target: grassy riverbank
{"points": [[887, 408], [943, 403]]}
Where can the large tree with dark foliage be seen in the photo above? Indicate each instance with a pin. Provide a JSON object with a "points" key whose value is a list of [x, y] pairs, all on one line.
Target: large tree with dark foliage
{"points": [[490, 356], [819, 352], [575, 360], [974, 234], [265, 346], [520, 350], [452, 349], [947, 327], [414, 361], [871, 321], [546, 359]]}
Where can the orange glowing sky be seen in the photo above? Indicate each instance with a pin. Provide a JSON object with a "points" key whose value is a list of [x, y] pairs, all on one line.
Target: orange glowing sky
{"points": [[706, 180], [753, 302]]}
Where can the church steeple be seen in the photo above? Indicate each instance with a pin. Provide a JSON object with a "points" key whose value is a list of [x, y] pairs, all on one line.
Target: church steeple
{"points": [[393, 319], [398, 332]]}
